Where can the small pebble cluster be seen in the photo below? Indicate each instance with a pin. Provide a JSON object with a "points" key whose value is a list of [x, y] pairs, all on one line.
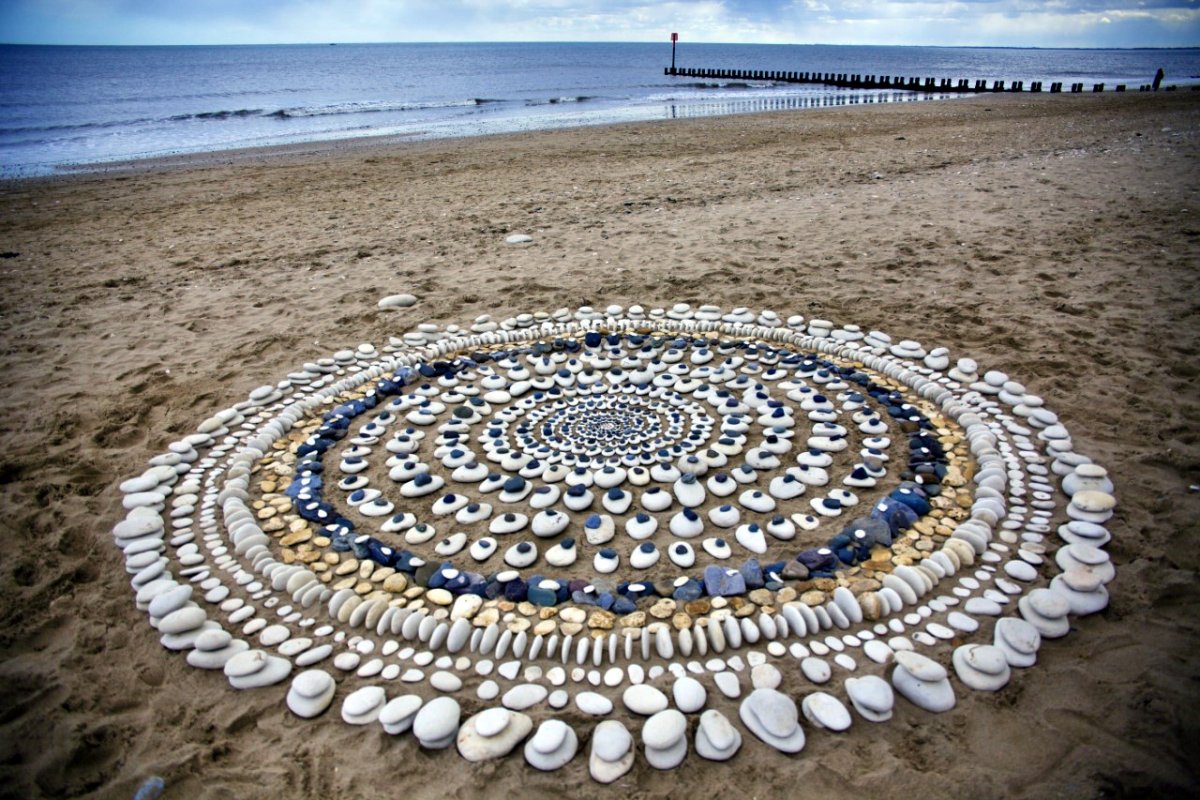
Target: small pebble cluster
{"points": [[610, 515]]}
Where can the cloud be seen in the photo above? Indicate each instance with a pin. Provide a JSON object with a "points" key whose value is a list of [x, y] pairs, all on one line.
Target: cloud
{"points": [[952, 22]]}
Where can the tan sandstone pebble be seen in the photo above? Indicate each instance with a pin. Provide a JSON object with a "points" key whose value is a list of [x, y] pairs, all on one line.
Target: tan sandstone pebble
{"points": [[698, 608], [602, 620], [487, 616], [396, 582], [662, 609], [763, 597], [295, 538], [814, 597], [864, 585]]}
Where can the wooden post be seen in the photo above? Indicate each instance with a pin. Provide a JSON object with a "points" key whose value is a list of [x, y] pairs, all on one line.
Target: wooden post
{"points": [[674, 39]]}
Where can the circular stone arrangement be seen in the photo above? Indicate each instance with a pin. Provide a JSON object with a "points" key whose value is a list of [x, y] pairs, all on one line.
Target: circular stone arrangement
{"points": [[621, 508]]}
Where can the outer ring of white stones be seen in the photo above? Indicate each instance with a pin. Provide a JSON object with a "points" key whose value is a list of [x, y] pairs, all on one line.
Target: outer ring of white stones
{"points": [[184, 492]]}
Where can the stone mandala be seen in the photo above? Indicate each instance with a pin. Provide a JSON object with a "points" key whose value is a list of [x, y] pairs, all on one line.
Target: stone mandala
{"points": [[557, 514]]}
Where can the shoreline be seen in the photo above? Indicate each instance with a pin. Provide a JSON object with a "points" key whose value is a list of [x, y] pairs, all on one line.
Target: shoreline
{"points": [[318, 147], [325, 147], [1053, 238]]}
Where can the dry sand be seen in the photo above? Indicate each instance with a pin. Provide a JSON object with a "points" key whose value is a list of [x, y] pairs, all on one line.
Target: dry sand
{"points": [[1053, 238]]}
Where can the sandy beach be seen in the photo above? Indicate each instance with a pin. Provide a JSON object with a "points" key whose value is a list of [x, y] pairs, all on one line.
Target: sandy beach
{"points": [[1055, 238]]}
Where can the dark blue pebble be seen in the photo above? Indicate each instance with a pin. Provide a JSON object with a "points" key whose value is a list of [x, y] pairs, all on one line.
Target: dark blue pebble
{"points": [[692, 590], [719, 584], [898, 517], [622, 606], [752, 574], [911, 498], [818, 561], [361, 545], [544, 598]]}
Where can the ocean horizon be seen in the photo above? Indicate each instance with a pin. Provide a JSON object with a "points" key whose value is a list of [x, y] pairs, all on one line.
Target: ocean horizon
{"points": [[84, 106]]}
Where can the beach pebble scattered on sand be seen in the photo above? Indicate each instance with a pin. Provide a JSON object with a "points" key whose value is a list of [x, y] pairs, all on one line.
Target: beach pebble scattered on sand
{"points": [[398, 301]]}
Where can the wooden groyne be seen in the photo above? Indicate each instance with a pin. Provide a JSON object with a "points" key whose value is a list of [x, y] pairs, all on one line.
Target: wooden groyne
{"points": [[885, 82]]}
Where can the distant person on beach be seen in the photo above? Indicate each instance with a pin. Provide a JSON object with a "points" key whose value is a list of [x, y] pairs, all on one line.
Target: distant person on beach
{"points": [[1158, 78]]}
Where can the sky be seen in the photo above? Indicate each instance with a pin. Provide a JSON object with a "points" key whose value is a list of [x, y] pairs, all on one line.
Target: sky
{"points": [[993, 23]]}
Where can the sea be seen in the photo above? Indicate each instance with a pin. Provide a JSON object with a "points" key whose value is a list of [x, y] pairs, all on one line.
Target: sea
{"points": [[65, 107]]}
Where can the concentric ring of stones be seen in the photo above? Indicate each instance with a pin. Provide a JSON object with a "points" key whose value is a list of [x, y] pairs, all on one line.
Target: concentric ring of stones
{"points": [[589, 506]]}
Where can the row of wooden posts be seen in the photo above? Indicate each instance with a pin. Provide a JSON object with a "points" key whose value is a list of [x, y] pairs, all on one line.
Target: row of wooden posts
{"points": [[846, 81]]}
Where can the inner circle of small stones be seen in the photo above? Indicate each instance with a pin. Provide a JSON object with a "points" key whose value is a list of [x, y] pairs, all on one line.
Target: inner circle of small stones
{"points": [[609, 426]]}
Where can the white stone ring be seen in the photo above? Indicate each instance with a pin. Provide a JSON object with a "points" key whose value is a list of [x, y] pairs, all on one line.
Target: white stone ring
{"points": [[617, 506]]}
